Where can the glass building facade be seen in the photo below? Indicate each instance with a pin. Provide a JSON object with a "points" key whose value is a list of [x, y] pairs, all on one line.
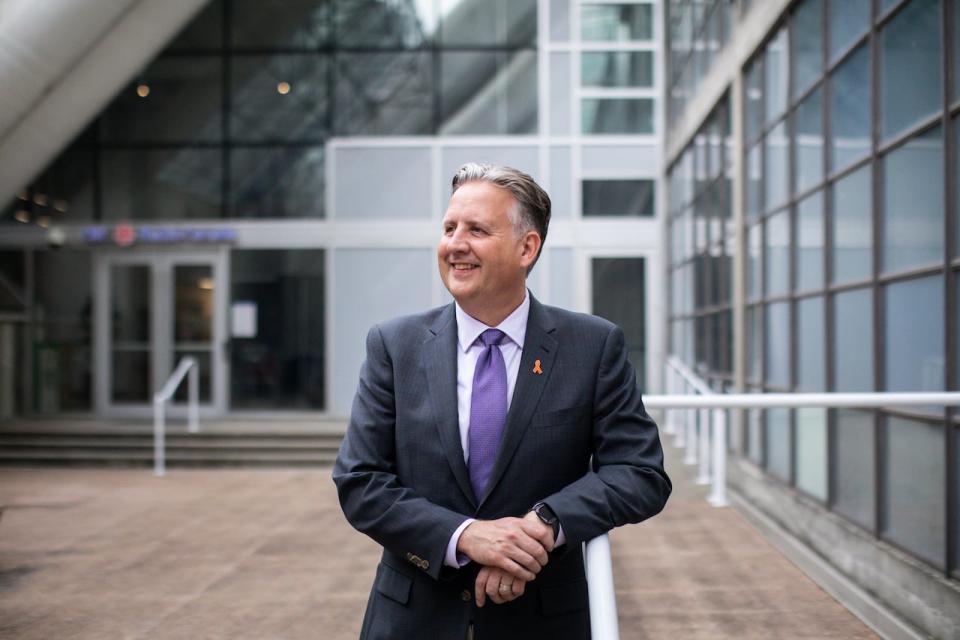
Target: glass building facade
{"points": [[827, 161]]}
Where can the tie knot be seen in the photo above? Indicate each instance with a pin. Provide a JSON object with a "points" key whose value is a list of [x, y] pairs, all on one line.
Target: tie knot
{"points": [[492, 337]]}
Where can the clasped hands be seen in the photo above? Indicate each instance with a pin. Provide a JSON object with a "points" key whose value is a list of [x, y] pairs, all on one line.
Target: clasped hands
{"points": [[512, 552]]}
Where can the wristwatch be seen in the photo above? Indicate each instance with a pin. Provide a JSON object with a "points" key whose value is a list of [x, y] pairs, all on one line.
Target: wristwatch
{"points": [[548, 517]]}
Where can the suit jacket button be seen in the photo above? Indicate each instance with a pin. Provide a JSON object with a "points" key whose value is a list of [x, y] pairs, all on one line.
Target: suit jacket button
{"points": [[465, 596], [424, 564]]}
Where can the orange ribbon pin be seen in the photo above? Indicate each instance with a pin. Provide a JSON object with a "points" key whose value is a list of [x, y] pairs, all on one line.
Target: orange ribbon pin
{"points": [[536, 368]]}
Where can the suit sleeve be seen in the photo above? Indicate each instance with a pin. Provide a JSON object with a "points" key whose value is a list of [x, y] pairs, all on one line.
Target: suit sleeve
{"points": [[373, 498], [627, 482]]}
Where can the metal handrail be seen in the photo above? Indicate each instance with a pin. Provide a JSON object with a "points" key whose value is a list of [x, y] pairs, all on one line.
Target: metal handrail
{"points": [[188, 364], [704, 436]]}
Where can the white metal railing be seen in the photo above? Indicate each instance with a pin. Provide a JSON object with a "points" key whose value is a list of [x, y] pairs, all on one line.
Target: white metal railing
{"points": [[187, 365], [696, 416]]}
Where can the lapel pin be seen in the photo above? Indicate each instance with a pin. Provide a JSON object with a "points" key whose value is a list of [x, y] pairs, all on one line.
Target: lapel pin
{"points": [[536, 368]]}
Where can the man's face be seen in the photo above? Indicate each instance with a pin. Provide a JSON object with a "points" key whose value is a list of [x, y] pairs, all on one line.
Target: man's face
{"points": [[481, 257]]}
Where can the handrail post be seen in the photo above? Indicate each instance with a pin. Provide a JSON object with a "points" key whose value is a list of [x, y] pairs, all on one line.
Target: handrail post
{"points": [[158, 436], [718, 494], [193, 397], [669, 415], [691, 438], [600, 592], [703, 447]]}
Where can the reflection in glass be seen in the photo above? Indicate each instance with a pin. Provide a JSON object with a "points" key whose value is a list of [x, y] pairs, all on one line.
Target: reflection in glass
{"points": [[776, 174], [854, 494], [908, 43], [483, 92], [778, 443], [914, 337], [852, 226], [754, 99], [810, 242], [382, 24], [620, 22], [913, 203], [807, 44], [266, 24], [754, 252], [383, 94], [754, 177], [619, 296], [811, 340], [617, 115], [812, 451], [777, 254], [193, 303], [914, 488], [280, 366], [777, 351], [618, 198], [850, 109], [808, 150], [130, 376], [153, 184], [616, 68], [277, 182], [510, 23], [777, 71], [184, 104], [259, 112], [853, 340], [131, 332], [754, 343], [204, 32], [849, 20]]}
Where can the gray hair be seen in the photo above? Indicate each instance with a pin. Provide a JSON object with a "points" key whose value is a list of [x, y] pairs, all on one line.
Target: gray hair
{"points": [[532, 209]]}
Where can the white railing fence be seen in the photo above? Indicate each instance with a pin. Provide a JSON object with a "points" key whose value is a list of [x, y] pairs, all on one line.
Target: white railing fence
{"points": [[187, 367], [696, 417]]}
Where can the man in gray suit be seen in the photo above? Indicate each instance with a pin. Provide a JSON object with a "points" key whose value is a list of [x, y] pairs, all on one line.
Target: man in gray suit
{"points": [[492, 436]]}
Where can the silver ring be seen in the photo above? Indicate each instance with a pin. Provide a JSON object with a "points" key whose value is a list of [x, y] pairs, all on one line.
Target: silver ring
{"points": [[504, 587]]}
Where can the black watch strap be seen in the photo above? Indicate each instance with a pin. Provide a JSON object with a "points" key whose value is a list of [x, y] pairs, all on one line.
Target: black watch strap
{"points": [[548, 517]]}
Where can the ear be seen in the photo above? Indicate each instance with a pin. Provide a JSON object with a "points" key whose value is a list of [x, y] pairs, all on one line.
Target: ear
{"points": [[530, 247]]}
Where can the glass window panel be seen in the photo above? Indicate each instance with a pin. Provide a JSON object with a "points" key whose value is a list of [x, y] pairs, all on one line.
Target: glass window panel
{"points": [[384, 94], [193, 303], [559, 20], [807, 44], [754, 99], [754, 184], [914, 489], [808, 147], [176, 99], [914, 337], [852, 226], [282, 366], [910, 41], [850, 114], [205, 31], [777, 254], [853, 340], [66, 187], [277, 182], [777, 71], [502, 23], [561, 101], [155, 184], [854, 463], [755, 343], [776, 176], [849, 19], [754, 265], [777, 350], [403, 175], [812, 451], [561, 184], [811, 370], [619, 296], [754, 435], [130, 376], [617, 115], [618, 198], [616, 22], [282, 97], [616, 68], [266, 24], [485, 93], [130, 304], [383, 24], [810, 242], [778, 443], [913, 203]]}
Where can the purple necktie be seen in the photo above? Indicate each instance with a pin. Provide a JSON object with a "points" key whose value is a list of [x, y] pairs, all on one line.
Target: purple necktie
{"points": [[488, 410]]}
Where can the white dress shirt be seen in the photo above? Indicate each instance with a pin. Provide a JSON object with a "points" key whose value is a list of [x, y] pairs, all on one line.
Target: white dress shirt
{"points": [[468, 330]]}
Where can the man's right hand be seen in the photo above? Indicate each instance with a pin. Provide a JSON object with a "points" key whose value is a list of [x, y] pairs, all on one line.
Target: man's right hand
{"points": [[516, 545]]}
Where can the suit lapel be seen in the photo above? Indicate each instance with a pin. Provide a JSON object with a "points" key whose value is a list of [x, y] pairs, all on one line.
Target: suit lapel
{"points": [[440, 366], [538, 344]]}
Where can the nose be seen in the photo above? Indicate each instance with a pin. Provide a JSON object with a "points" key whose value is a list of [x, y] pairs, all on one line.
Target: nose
{"points": [[457, 241]]}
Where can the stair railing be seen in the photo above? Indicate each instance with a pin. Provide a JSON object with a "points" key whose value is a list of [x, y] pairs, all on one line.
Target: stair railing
{"points": [[188, 365]]}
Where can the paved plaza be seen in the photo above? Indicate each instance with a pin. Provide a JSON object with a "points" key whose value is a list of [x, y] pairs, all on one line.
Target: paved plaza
{"points": [[97, 554]]}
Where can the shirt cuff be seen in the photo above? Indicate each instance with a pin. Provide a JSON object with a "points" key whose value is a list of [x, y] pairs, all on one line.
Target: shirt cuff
{"points": [[561, 539], [452, 558]]}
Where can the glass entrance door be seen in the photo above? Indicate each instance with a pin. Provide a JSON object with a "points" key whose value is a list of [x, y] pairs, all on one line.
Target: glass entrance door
{"points": [[152, 309]]}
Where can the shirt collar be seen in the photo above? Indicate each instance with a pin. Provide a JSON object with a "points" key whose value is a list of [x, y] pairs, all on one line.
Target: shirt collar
{"points": [[514, 325]]}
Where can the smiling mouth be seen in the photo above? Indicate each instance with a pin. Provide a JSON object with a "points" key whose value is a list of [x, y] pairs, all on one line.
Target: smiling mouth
{"points": [[463, 266]]}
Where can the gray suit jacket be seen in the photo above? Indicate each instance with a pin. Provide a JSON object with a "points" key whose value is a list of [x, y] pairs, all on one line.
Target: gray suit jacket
{"points": [[402, 479]]}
